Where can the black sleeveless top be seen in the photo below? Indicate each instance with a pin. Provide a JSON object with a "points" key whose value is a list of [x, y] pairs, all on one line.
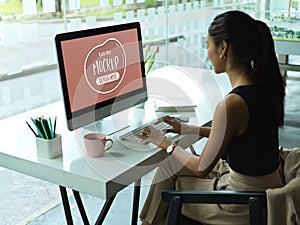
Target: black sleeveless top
{"points": [[255, 151]]}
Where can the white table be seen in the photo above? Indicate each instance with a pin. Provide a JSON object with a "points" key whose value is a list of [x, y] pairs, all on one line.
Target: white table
{"points": [[104, 177]]}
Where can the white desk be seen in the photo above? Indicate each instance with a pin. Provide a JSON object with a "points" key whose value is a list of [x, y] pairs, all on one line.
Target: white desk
{"points": [[104, 177]]}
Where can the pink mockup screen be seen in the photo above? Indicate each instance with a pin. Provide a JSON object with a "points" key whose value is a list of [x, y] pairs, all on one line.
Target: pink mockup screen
{"points": [[101, 67]]}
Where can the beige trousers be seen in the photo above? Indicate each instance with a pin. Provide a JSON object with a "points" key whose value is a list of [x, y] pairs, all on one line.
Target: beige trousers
{"points": [[172, 176]]}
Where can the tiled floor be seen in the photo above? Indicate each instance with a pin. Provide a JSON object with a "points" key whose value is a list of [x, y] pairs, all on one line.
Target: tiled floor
{"points": [[26, 200]]}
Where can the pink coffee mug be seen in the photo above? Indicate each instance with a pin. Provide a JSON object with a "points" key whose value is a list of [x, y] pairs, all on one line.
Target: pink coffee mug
{"points": [[95, 144]]}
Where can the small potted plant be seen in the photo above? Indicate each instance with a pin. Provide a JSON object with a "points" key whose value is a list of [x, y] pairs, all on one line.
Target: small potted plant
{"points": [[150, 58]]}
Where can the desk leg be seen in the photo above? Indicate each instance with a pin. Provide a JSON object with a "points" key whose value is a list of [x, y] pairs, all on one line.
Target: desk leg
{"points": [[81, 207], [105, 210], [136, 200], [103, 213], [65, 200]]}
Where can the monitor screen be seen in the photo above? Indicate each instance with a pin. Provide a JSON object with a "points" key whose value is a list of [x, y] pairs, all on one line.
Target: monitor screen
{"points": [[102, 72]]}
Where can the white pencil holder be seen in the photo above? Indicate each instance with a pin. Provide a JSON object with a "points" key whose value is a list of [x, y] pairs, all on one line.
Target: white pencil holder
{"points": [[49, 148]]}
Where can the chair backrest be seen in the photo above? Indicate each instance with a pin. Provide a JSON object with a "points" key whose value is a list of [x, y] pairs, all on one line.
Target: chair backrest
{"points": [[255, 200]]}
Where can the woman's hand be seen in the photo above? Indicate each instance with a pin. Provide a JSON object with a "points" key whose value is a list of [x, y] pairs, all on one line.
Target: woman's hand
{"points": [[155, 136], [178, 127]]}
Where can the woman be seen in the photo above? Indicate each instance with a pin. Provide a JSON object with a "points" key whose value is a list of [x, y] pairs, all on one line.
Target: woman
{"points": [[244, 128]]}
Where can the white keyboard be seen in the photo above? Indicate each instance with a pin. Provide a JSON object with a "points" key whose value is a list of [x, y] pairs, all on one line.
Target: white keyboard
{"points": [[132, 135]]}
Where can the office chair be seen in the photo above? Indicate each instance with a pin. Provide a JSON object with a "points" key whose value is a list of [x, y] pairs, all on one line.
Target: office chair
{"points": [[255, 200]]}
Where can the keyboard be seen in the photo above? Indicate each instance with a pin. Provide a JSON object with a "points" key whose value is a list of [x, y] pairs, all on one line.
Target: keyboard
{"points": [[132, 136]]}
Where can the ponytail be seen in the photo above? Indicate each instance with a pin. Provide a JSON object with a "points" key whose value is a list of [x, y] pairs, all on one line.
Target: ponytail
{"points": [[266, 70]]}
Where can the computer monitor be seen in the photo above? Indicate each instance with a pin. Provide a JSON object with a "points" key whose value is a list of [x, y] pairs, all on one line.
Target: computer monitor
{"points": [[102, 72]]}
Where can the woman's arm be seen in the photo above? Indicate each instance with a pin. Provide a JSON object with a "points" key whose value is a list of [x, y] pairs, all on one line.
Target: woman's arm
{"points": [[182, 128], [201, 131], [230, 118]]}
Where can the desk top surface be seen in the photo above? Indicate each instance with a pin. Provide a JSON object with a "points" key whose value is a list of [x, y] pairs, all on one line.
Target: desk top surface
{"points": [[121, 165]]}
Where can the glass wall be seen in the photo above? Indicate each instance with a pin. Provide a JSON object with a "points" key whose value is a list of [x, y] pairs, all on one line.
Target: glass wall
{"points": [[28, 68]]}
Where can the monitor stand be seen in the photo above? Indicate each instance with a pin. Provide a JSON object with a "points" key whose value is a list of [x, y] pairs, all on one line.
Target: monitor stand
{"points": [[109, 125]]}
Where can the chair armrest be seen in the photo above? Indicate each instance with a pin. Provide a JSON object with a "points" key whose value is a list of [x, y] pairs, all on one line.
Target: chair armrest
{"points": [[218, 197]]}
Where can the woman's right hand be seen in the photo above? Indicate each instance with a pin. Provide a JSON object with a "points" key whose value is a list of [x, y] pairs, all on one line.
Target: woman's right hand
{"points": [[178, 127]]}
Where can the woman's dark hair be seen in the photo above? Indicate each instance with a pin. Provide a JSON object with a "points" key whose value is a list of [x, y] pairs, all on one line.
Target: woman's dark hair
{"points": [[252, 43]]}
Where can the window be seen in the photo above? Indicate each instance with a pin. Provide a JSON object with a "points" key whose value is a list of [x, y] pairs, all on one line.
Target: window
{"points": [[28, 27]]}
